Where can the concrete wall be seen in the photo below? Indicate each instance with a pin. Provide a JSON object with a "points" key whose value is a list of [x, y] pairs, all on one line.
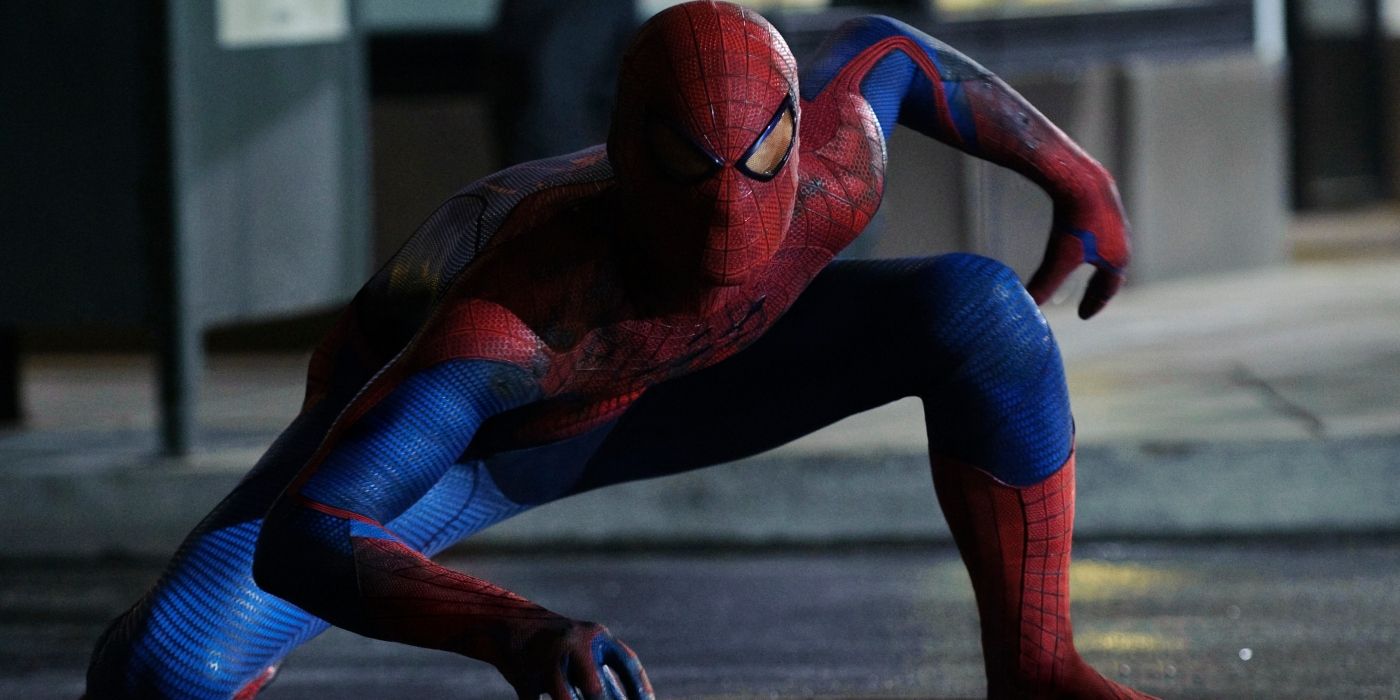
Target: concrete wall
{"points": [[1204, 165]]}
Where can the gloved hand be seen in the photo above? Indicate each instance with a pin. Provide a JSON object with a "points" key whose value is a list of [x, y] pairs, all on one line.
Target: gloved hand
{"points": [[1094, 230], [571, 659]]}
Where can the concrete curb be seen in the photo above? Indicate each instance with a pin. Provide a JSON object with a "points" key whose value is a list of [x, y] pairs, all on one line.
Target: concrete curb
{"points": [[1131, 491]]}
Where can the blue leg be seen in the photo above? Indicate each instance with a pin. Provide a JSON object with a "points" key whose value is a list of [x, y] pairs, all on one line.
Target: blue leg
{"points": [[205, 630], [958, 331]]}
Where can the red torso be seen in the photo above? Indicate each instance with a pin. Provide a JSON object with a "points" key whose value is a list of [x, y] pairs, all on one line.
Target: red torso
{"points": [[550, 292]]}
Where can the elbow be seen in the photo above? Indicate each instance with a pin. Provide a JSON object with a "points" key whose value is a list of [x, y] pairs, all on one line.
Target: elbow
{"points": [[302, 557], [274, 566]]}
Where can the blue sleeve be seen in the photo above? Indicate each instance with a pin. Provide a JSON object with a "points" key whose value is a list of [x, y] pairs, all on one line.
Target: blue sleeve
{"points": [[897, 88]]}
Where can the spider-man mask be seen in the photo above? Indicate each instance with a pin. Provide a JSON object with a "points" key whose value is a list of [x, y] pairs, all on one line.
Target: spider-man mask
{"points": [[704, 141]]}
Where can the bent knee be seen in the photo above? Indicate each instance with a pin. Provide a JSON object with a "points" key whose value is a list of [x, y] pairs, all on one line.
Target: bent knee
{"points": [[301, 555], [968, 307], [996, 396]]}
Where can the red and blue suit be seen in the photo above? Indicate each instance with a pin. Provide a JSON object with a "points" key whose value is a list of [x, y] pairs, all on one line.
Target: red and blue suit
{"points": [[662, 303]]}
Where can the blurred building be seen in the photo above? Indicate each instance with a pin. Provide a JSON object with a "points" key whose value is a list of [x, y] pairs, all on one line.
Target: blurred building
{"points": [[1344, 101], [177, 167]]}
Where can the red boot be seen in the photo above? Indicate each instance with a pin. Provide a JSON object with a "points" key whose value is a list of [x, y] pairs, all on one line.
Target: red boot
{"points": [[1016, 545]]}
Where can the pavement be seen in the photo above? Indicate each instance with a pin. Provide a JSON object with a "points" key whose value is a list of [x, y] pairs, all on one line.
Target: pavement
{"points": [[1256, 402], [1278, 619]]}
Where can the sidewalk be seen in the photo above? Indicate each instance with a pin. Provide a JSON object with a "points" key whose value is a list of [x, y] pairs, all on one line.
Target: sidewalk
{"points": [[1259, 402]]}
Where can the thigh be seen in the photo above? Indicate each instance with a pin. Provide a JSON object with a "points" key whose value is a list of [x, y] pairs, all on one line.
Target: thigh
{"points": [[957, 331], [205, 628], [845, 346]]}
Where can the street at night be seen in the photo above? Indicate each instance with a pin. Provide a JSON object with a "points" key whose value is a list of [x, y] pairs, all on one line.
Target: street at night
{"points": [[1310, 618]]}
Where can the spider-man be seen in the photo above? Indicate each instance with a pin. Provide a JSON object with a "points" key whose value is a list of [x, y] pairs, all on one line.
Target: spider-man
{"points": [[662, 304]]}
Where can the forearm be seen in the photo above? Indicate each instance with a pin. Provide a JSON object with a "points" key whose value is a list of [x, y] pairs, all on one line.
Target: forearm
{"points": [[1089, 224], [408, 598], [356, 575], [1014, 134]]}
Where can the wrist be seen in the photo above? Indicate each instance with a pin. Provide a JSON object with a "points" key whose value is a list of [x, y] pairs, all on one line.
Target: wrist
{"points": [[1089, 201], [506, 641], [1081, 184]]}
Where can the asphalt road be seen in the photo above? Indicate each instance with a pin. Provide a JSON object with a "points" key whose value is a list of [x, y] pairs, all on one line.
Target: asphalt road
{"points": [[1265, 619]]}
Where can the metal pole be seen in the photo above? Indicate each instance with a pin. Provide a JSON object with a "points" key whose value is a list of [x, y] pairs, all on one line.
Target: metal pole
{"points": [[181, 365], [179, 349]]}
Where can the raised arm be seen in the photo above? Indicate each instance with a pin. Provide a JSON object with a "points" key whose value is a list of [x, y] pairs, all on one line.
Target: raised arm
{"points": [[910, 78], [328, 545]]}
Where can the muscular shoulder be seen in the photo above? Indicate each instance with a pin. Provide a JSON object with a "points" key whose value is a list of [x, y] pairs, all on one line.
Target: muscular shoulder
{"points": [[537, 188], [403, 294], [456, 233], [842, 159], [548, 281]]}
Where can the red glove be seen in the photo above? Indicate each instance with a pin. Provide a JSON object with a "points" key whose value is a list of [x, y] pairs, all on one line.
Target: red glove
{"points": [[1092, 230], [575, 660]]}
